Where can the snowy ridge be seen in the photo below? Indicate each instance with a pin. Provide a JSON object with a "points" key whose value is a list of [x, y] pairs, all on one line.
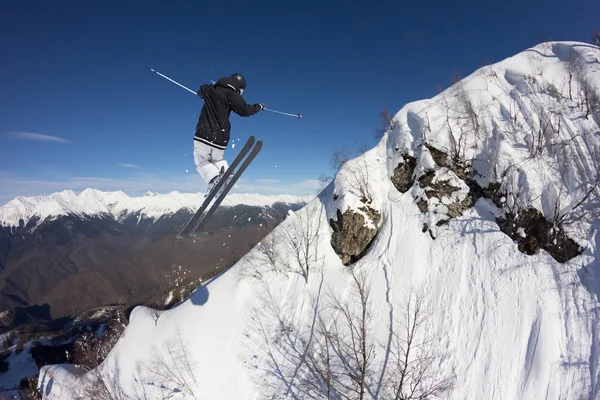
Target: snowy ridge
{"points": [[503, 324], [118, 205], [532, 134]]}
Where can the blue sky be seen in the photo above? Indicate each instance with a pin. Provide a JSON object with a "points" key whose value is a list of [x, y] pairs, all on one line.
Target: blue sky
{"points": [[79, 106]]}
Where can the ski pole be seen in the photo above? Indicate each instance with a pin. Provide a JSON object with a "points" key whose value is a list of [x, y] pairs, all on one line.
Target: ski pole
{"points": [[284, 113], [190, 90], [177, 83]]}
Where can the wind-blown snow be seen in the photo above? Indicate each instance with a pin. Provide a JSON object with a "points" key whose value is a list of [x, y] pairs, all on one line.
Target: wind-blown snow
{"points": [[511, 326], [118, 205]]}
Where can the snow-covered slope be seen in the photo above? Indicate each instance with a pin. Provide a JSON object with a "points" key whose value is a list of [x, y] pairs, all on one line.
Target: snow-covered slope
{"points": [[118, 205], [494, 323]]}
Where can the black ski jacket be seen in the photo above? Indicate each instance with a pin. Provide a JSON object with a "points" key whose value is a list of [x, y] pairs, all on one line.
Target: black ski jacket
{"points": [[220, 100]]}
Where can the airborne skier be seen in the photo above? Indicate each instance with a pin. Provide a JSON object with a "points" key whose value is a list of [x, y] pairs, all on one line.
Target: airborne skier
{"points": [[212, 137], [213, 128]]}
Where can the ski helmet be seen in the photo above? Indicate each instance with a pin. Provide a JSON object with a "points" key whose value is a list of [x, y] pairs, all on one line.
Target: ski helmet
{"points": [[241, 80]]}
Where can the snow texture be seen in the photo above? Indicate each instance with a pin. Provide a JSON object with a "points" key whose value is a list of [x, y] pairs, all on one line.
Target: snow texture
{"points": [[510, 326]]}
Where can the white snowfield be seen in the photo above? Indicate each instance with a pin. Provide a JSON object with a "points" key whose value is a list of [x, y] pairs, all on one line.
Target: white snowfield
{"points": [[118, 205], [499, 324]]}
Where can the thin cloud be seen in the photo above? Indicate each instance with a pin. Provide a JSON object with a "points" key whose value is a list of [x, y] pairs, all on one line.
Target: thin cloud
{"points": [[309, 184], [301, 188], [268, 181], [37, 137], [134, 166]]}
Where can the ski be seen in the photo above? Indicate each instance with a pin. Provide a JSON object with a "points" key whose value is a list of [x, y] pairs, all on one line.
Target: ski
{"points": [[236, 175], [189, 228]]}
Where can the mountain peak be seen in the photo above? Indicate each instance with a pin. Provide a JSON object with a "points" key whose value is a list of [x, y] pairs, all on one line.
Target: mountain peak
{"points": [[92, 202]]}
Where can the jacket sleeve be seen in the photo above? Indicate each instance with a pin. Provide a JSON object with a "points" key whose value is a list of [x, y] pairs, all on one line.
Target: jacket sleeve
{"points": [[239, 106], [203, 89]]}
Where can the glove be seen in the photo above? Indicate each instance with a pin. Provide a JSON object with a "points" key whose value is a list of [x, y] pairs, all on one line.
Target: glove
{"points": [[262, 106]]}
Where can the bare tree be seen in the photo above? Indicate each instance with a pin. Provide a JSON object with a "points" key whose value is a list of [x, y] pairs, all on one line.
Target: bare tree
{"points": [[154, 314], [286, 341], [461, 118], [356, 176], [172, 368], [105, 384], [292, 249], [596, 37], [355, 173], [270, 252], [101, 385], [170, 371], [319, 359], [141, 390], [340, 157], [447, 119], [590, 99], [352, 340], [573, 67], [324, 180], [414, 374], [330, 359], [537, 128], [344, 354], [333, 354], [548, 126], [386, 124], [426, 128], [467, 119], [266, 258], [582, 207], [301, 240]]}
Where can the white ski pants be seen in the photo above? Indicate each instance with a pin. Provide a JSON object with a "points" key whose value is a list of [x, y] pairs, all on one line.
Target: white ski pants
{"points": [[209, 160]]}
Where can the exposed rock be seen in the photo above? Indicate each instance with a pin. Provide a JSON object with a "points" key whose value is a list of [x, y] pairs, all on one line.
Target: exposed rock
{"points": [[533, 232], [439, 189], [529, 228], [457, 208], [422, 204], [351, 237], [456, 165], [494, 193], [475, 190], [442, 159], [403, 174]]}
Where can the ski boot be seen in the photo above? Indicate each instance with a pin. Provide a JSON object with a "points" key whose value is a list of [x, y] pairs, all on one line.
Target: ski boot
{"points": [[213, 182]]}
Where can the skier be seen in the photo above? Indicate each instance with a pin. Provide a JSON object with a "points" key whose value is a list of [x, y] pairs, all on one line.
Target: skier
{"points": [[213, 128]]}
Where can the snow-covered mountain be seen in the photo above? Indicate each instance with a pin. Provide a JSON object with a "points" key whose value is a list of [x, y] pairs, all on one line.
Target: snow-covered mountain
{"points": [[458, 258], [118, 205], [55, 248]]}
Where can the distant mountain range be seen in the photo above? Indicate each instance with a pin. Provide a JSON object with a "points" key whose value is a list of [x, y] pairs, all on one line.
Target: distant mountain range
{"points": [[118, 205], [65, 253]]}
